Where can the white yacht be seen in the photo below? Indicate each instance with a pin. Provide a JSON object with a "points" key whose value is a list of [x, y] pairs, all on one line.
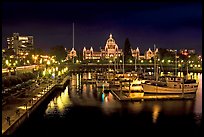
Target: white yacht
{"points": [[135, 89], [174, 85]]}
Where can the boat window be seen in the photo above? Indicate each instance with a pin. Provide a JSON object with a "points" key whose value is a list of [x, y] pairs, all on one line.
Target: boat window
{"points": [[136, 85]]}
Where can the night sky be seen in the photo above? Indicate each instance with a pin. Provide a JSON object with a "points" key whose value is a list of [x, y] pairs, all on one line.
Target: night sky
{"points": [[168, 25]]}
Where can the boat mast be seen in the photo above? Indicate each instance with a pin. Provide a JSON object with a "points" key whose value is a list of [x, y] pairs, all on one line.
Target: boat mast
{"points": [[155, 67], [73, 42], [123, 64], [176, 62]]}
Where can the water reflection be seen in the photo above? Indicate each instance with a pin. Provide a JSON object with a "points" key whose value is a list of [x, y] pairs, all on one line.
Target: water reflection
{"points": [[155, 112], [78, 94], [59, 104]]}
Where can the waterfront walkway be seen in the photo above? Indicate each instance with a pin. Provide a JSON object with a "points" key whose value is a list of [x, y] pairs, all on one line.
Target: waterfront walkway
{"points": [[18, 106]]}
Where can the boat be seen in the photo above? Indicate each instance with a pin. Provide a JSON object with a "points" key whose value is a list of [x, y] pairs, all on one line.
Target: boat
{"points": [[134, 90], [185, 87], [102, 84], [90, 81], [170, 85]]}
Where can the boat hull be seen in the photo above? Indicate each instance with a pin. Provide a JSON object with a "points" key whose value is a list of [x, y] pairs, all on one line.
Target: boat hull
{"points": [[167, 90]]}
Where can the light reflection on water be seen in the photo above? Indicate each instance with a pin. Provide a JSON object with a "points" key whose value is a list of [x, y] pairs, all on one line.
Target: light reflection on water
{"points": [[78, 94]]}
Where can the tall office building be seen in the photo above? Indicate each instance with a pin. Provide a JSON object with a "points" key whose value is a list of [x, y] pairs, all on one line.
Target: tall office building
{"points": [[21, 45]]}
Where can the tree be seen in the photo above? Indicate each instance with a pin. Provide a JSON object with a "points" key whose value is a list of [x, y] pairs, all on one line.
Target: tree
{"points": [[59, 52], [165, 54], [127, 51]]}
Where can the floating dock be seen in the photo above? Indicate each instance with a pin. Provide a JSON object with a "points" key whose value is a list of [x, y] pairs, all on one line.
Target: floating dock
{"points": [[119, 94]]}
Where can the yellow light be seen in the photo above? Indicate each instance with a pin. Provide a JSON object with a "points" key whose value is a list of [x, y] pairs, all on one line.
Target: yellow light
{"points": [[179, 65], [7, 62], [169, 61], [40, 61], [120, 61], [199, 65], [56, 68], [195, 66], [59, 73], [49, 71], [130, 61], [44, 73], [162, 61], [16, 62], [150, 61], [142, 61], [191, 65], [28, 61], [48, 62]]}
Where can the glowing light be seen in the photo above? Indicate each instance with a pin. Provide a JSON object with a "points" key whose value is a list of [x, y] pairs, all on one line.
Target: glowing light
{"points": [[59, 73], [7, 62], [48, 62], [44, 73], [155, 114]]}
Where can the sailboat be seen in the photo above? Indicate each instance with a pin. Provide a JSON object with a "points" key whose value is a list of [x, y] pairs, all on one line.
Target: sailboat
{"points": [[170, 84]]}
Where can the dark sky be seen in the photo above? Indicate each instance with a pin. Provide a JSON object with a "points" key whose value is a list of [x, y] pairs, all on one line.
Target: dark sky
{"points": [[168, 25]]}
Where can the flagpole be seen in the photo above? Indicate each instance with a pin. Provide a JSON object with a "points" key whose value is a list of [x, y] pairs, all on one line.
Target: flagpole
{"points": [[73, 42]]}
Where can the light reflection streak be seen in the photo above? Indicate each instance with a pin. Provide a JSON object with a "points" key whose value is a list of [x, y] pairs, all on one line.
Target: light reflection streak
{"points": [[59, 103], [198, 101], [155, 113]]}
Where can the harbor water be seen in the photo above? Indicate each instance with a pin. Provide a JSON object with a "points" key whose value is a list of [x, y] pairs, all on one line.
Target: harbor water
{"points": [[84, 109]]}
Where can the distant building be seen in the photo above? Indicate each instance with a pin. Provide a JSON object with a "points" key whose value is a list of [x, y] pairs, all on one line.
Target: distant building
{"points": [[191, 51], [111, 50], [21, 45], [150, 54], [136, 53], [187, 51], [71, 54]]}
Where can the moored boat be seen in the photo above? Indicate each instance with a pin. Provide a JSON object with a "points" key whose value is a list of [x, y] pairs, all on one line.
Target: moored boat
{"points": [[135, 90], [174, 85]]}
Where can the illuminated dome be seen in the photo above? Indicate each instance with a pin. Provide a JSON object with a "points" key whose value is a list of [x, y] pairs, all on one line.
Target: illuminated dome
{"points": [[110, 43]]}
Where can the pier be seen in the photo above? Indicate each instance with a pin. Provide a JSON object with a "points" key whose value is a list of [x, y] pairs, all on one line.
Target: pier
{"points": [[14, 115], [122, 97]]}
